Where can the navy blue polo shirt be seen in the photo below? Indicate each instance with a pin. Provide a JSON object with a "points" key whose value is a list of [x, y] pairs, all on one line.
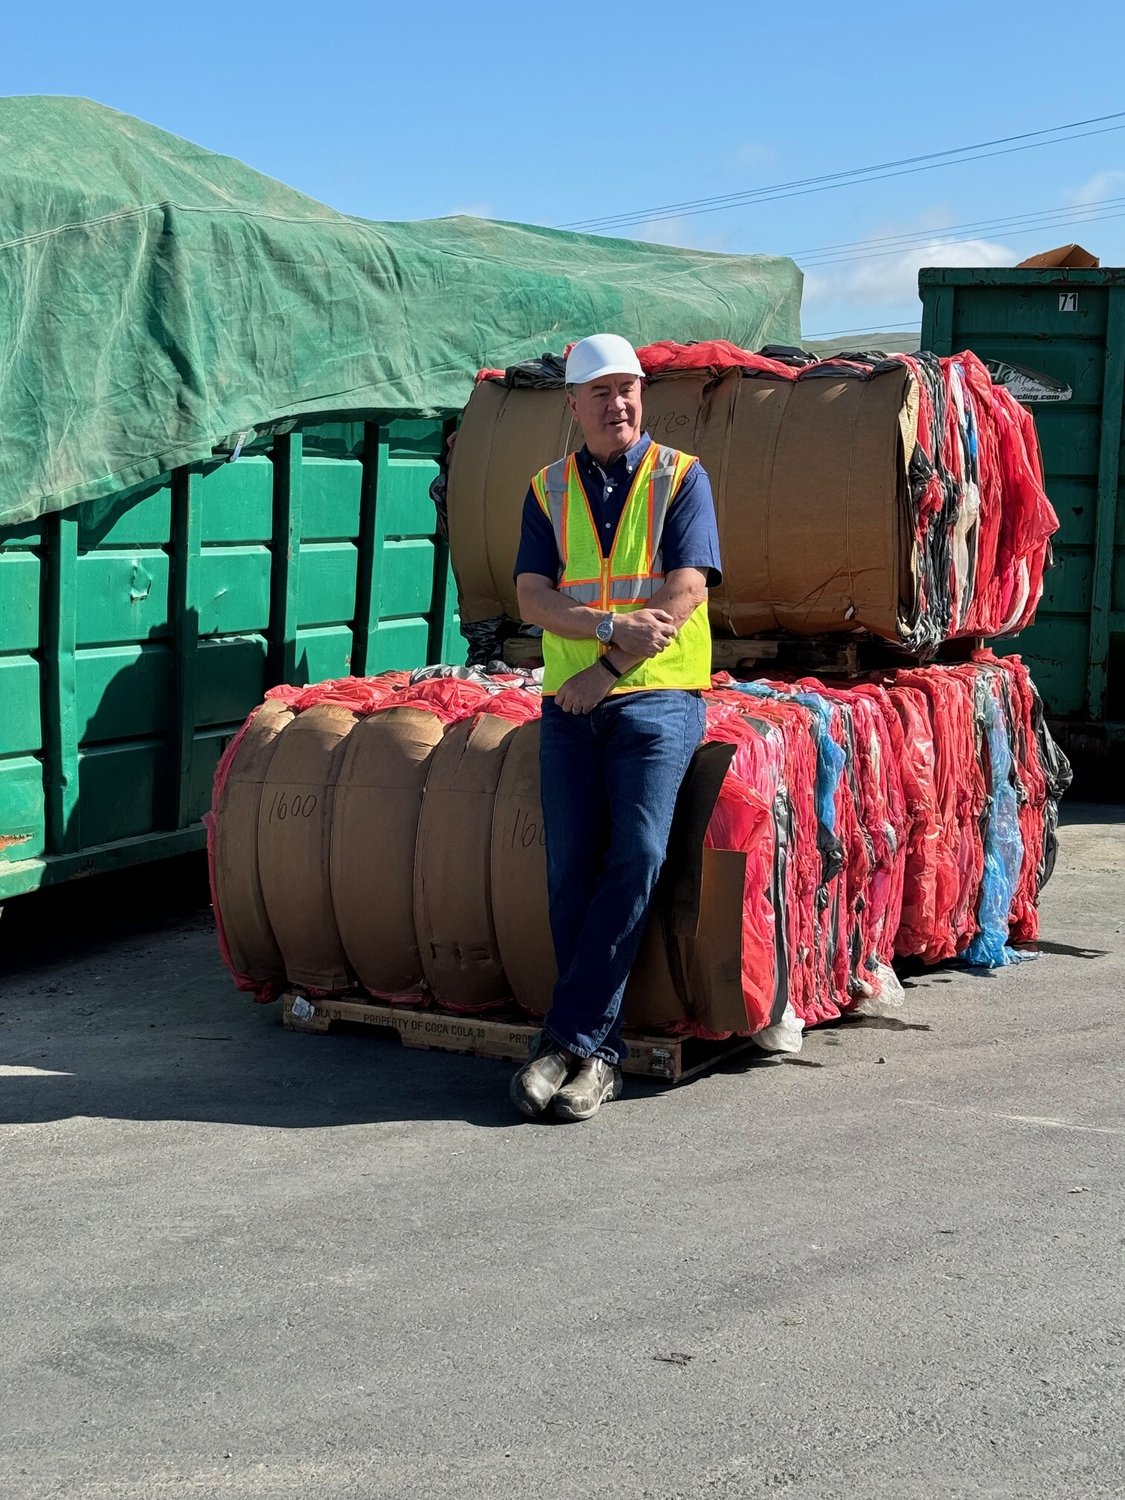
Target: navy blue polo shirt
{"points": [[691, 537]]}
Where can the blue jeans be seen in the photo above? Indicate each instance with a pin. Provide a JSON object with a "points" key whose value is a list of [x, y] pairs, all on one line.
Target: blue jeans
{"points": [[609, 783]]}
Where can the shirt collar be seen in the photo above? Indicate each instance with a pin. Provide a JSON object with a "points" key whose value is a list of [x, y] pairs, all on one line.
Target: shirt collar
{"points": [[630, 458]]}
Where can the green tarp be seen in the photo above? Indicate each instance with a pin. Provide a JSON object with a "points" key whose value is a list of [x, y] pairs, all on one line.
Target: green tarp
{"points": [[158, 300]]}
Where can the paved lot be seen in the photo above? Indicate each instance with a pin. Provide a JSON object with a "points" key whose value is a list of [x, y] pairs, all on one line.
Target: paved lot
{"points": [[238, 1262]]}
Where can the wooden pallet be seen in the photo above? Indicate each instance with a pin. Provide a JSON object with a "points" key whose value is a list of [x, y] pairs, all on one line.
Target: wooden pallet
{"points": [[823, 656], [523, 651], [670, 1059], [812, 658]]}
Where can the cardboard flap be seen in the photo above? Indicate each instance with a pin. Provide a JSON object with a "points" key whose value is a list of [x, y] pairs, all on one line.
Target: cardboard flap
{"points": [[680, 894], [714, 959], [1072, 256]]}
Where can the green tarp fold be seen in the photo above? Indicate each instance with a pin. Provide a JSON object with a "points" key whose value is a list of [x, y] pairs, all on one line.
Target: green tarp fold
{"points": [[158, 300]]}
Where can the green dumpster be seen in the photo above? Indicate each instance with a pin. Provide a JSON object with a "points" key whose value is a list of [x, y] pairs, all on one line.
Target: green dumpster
{"points": [[136, 636], [1069, 326]]}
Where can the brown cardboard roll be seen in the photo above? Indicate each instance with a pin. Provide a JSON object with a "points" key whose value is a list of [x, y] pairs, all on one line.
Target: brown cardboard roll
{"points": [[498, 448], [518, 874], [376, 807], [238, 889], [294, 847], [452, 885]]}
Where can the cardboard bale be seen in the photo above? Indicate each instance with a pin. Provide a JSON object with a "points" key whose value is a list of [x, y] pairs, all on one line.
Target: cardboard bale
{"points": [[809, 479], [452, 887], [379, 849], [294, 847], [238, 890], [377, 804]]}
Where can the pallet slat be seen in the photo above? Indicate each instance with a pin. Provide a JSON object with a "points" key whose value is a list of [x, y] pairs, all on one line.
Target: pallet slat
{"points": [[669, 1059]]}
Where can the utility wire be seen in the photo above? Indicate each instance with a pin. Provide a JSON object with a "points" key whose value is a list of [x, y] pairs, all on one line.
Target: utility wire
{"points": [[911, 235], [904, 161], [834, 177], [902, 326], [905, 166], [878, 177], [936, 241]]}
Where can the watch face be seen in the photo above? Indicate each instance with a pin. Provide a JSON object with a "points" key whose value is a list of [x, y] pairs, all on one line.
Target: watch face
{"points": [[604, 630]]}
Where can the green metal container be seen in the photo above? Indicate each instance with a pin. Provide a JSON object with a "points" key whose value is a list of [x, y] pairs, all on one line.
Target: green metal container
{"points": [[136, 635], [1070, 326]]}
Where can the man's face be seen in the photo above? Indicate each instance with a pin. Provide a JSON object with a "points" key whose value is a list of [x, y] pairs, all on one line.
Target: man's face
{"points": [[608, 410]]}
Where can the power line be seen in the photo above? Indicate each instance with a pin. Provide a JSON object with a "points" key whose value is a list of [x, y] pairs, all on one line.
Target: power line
{"points": [[801, 187], [878, 177], [902, 326], [991, 224], [936, 241], [904, 161], [832, 178]]}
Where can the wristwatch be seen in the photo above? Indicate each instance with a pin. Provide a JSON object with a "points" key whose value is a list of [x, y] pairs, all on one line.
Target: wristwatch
{"points": [[604, 629]]}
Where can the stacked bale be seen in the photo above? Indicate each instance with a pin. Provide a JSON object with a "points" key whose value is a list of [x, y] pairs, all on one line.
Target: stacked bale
{"points": [[897, 496], [396, 848]]}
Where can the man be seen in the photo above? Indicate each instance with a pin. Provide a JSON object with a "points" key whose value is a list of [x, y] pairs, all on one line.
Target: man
{"points": [[617, 551]]}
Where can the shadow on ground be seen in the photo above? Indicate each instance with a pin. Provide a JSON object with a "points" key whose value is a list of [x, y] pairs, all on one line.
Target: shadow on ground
{"points": [[114, 1004]]}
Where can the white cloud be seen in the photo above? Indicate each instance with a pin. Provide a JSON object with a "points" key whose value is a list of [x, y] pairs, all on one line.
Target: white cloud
{"points": [[1101, 185], [892, 280]]}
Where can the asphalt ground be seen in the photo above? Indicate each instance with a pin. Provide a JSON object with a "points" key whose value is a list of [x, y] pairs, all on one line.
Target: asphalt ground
{"points": [[242, 1262]]}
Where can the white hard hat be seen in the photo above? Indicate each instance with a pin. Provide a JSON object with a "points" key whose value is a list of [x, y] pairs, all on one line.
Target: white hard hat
{"points": [[601, 354]]}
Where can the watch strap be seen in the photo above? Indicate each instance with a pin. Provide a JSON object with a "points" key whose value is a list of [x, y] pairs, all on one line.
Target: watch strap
{"points": [[605, 662]]}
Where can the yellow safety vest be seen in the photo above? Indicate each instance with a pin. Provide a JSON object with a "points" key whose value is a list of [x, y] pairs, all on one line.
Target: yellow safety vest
{"points": [[627, 579]]}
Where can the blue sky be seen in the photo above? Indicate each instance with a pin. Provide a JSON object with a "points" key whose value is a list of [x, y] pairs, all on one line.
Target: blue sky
{"points": [[553, 114]]}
